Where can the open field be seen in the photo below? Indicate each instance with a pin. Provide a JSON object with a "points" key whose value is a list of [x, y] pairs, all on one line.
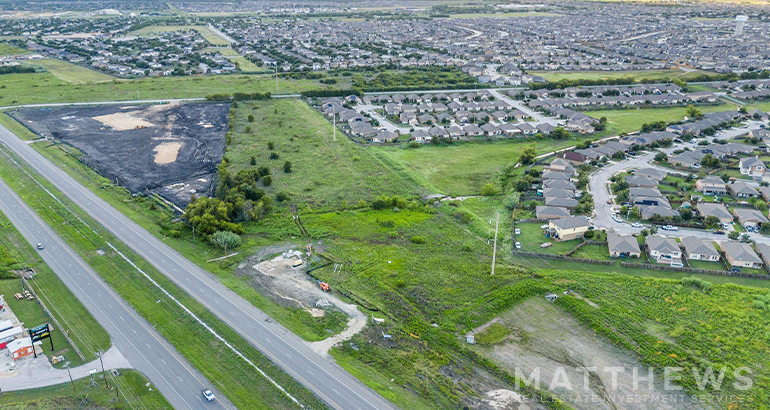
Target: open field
{"points": [[462, 169], [247, 66], [47, 88], [210, 36], [132, 393], [231, 375], [10, 50], [621, 121], [638, 75], [87, 334], [501, 15], [71, 73], [324, 172]]}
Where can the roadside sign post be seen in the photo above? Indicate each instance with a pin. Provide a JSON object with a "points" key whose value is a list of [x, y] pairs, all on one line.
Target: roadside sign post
{"points": [[39, 333]]}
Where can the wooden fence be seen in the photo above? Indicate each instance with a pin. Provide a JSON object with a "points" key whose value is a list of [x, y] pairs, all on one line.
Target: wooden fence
{"points": [[693, 270]]}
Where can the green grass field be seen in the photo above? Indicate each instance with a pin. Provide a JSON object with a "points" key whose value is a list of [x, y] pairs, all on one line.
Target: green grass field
{"points": [[462, 169], [132, 393], [11, 50], [324, 172], [636, 75], [47, 88], [86, 333], [71, 73], [621, 121], [210, 36]]}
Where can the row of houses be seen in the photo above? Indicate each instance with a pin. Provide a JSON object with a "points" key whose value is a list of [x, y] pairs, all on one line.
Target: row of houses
{"points": [[750, 166], [710, 120], [666, 250], [624, 101]]}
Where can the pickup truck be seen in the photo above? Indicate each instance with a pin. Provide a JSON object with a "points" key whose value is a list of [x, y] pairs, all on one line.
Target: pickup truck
{"points": [[669, 228]]}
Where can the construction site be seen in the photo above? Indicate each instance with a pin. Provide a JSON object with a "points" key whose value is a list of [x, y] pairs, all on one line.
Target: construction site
{"points": [[168, 149]]}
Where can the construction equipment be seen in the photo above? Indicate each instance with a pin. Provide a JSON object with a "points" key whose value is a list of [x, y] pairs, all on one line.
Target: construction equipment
{"points": [[325, 287]]}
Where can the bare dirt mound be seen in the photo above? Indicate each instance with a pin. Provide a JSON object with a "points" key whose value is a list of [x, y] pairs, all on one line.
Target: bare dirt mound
{"points": [[542, 338], [171, 149]]}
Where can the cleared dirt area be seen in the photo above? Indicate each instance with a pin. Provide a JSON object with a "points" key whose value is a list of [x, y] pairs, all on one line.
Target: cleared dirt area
{"points": [[278, 272], [538, 335], [170, 149]]}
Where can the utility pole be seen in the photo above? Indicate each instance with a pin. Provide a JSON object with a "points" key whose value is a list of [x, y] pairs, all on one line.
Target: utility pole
{"points": [[104, 374], [71, 381], [494, 247]]}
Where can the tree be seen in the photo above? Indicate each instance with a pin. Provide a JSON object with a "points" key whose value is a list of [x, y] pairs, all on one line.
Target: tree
{"points": [[733, 235], [251, 118], [488, 190], [709, 161], [693, 112], [287, 167], [713, 222], [661, 157], [225, 239], [686, 214], [635, 213], [512, 201], [274, 155], [528, 155]]}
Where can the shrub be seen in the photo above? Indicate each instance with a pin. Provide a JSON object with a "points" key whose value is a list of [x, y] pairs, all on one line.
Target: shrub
{"points": [[282, 196], [274, 155], [488, 190], [287, 167], [251, 118], [419, 240], [698, 283], [267, 180]]}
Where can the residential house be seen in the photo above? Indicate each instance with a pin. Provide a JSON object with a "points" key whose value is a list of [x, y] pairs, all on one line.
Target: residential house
{"points": [[623, 246], [568, 203], [763, 250], [749, 217], [385, 136], [640, 181], [551, 212], [740, 255], [753, 167], [699, 249], [740, 189], [569, 228], [421, 136], [707, 209], [711, 186], [663, 249], [563, 165]]}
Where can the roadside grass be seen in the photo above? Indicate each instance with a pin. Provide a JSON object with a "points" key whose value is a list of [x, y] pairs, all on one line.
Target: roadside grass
{"points": [[233, 376], [32, 88], [324, 173], [11, 50], [17, 128], [636, 75], [71, 73], [630, 120], [131, 385], [83, 329], [463, 168]]}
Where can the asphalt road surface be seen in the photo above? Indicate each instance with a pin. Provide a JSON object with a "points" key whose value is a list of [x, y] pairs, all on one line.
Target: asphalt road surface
{"points": [[320, 375], [139, 342]]}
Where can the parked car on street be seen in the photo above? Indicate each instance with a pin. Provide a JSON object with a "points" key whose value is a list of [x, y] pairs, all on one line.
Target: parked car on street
{"points": [[669, 228]]}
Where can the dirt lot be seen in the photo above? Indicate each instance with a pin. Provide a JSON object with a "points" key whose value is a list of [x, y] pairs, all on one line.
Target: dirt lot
{"points": [[273, 271], [171, 149], [544, 337]]}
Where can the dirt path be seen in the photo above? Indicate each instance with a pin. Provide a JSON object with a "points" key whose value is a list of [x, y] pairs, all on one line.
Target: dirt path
{"points": [[356, 323]]}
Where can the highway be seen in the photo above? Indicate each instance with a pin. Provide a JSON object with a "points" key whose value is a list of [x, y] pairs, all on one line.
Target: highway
{"points": [[136, 339], [320, 375]]}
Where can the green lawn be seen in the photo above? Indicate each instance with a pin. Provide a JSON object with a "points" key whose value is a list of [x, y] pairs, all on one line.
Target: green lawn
{"points": [[47, 88], [629, 120], [87, 334], [11, 50], [636, 75], [532, 236], [595, 252], [706, 265], [462, 169], [132, 393], [210, 36], [71, 73]]}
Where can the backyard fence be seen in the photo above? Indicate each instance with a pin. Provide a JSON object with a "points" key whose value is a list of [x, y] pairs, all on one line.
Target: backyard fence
{"points": [[562, 257], [693, 270]]}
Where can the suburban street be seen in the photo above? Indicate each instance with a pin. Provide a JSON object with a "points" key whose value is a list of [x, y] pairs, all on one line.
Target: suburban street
{"points": [[599, 183], [320, 375], [143, 347]]}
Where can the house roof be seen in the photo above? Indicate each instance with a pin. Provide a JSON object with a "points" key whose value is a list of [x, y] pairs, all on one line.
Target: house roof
{"points": [[742, 188], [571, 222], [622, 243], [749, 215], [718, 210], [752, 162], [699, 246], [545, 212], [662, 244], [740, 252], [559, 201]]}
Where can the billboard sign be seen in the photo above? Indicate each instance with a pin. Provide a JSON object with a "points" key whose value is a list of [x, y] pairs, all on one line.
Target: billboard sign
{"points": [[40, 332]]}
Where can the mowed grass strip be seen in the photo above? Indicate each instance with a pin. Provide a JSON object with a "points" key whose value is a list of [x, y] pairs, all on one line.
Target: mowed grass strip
{"points": [[75, 320], [132, 393], [232, 375], [71, 73], [208, 34], [628, 120]]}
